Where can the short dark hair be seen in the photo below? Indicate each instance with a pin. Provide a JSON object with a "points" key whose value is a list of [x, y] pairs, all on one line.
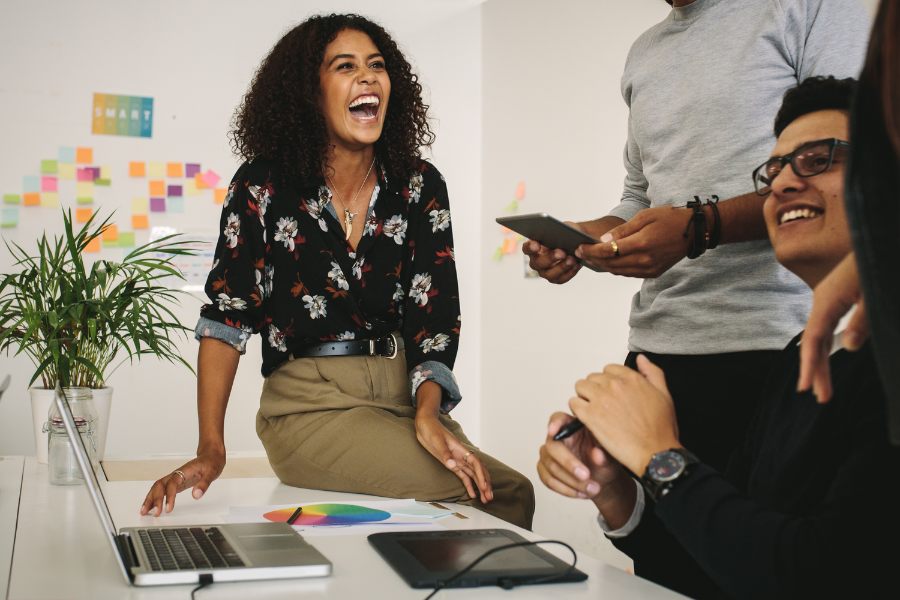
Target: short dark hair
{"points": [[814, 94]]}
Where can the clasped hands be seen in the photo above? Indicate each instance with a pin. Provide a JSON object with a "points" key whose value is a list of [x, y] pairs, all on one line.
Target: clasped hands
{"points": [[628, 417]]}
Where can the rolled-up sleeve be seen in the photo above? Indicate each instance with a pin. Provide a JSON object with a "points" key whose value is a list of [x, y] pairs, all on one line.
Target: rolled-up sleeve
{"points": [[236, 337]]}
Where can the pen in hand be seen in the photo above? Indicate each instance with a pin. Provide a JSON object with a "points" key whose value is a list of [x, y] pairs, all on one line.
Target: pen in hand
{"points": [[568, 429], [294, 516]]}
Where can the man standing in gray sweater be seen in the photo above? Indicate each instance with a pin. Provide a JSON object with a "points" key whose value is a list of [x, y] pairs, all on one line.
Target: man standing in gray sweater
{"points": [[703, 87]]}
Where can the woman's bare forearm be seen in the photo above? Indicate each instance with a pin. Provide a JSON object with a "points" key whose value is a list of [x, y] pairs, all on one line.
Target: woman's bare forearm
{"points": [[217, 364]]}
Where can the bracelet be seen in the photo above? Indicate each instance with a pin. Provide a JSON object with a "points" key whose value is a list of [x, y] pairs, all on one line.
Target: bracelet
{"points": [[717, 226], [701, 231]]}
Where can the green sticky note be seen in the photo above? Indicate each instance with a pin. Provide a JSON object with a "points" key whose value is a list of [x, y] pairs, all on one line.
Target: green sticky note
{"points": [[12, 199], [9, 217], [101, 182], [48, 166], [111, 244], [126, 239], [85, 201], [498, 254]]}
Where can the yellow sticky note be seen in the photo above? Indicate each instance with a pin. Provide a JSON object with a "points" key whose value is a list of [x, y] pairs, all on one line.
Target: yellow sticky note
{"points": [[84, 189], [106, 172], [136, 169], [66, 170], [156, 170], [93, 245], [50, 199], [198, 180], [111, 233], [139, 222], [32, 198], [220, 194], [157, 188], [140, 206], [84, 155], [174, 170], [83, 215], [190, 188]]}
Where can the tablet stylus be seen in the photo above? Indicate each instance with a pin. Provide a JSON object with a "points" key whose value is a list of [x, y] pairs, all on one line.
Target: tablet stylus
{"points": [[294, 516], [568, 429]]}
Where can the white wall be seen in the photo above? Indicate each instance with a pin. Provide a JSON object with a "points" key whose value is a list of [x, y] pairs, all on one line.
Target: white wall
{"points": [[196, 59]]}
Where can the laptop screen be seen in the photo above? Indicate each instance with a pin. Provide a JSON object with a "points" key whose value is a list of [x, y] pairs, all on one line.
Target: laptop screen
{"points": [[90, 478]]}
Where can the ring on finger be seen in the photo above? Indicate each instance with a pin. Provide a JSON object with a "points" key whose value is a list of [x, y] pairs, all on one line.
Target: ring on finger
{"points": [[180, 474], [615, 248], [466, 457]]}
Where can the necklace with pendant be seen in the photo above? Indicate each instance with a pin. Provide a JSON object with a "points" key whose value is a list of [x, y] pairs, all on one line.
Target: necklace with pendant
{"points": [[348, 216]]}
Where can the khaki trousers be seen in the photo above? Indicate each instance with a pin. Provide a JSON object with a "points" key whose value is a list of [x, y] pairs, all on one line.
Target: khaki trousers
{"points": [[346, 424]]}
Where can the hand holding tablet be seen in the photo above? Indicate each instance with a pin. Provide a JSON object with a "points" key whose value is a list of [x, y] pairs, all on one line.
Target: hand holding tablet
{"points": [[551, 233]]}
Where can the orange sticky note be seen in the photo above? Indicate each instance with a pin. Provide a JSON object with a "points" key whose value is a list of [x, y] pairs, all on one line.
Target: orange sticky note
{"points": [[137, 169], [520, 191], [174, 170], [93, 245], [32, 199], [158, 188], [83, 215], [139, 222], [110, 233], [220, 195], [201, 185], [84, 155]]}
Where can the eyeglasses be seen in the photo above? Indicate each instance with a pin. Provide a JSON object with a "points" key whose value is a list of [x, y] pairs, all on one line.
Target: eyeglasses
{"points": [[807, 160]]}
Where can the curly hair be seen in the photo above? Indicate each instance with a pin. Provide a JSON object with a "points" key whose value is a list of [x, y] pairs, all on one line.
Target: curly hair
{"points": [[279, 118], [813, 94]]}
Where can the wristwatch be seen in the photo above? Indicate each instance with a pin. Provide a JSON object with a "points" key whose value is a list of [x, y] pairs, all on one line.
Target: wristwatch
{"points": [[665, 469]]}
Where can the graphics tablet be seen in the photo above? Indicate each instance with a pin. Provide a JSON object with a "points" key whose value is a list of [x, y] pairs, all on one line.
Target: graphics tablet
{"points": [[425, 559], [550, 232]]}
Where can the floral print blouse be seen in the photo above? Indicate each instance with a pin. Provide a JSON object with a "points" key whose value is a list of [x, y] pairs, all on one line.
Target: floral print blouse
{"points": [[283, 269]]}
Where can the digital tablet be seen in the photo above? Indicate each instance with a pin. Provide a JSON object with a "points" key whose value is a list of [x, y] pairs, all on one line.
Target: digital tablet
{"points": [[425, 559], [550, 232]]}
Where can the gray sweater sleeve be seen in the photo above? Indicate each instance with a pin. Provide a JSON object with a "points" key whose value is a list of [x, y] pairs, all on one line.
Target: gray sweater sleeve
{"points": [[634, 196], [815, 34]]}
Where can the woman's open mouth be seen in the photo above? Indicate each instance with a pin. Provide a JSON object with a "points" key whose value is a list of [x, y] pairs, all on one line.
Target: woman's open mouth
{"points": [[365, 108]]}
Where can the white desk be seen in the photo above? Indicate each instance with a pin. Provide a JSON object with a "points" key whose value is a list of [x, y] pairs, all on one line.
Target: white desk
{"points": [[61, 552], [10, 486]]}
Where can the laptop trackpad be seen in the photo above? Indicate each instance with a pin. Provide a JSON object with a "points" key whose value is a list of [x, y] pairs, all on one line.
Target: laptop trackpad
{"points": [[268, 543]]}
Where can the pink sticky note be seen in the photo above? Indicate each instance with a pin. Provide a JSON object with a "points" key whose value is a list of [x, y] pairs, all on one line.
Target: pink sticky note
{"points": [[48, 184], [210, 178], [520, 191], [85, 175], [157, 205]]}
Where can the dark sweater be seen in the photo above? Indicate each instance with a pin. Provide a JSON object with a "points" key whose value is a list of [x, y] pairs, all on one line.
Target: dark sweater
{"points": [[806, 509]]}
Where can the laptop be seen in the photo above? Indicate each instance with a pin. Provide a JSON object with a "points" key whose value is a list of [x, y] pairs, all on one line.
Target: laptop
{"points": [[174, 554]]}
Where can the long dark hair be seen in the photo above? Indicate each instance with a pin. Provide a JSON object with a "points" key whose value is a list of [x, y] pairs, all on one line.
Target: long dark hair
{"points": [[279, 118], [873, 197]]}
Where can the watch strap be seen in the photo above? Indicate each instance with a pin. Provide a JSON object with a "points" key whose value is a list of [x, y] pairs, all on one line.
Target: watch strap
{"points": [[656, 488]]}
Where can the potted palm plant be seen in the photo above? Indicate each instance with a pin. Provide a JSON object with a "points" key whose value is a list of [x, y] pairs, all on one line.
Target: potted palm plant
{"points": [[73, 321]]}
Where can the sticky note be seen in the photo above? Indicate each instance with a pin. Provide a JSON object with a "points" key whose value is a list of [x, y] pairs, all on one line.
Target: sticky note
{"points": [[31, 199], [191, 169], [66, 154], [110, 233], [139, 222], [67, 170], [174, 170], [9, 217], [31, 183], [11, 199], [140, 206], [85, 175], [137, 169], [126, 239], [105, 172], [83, 215], [48, 166], [50, 199], [84, 189], [157, 188], [220, 194], [174, 190], [84, 155], [95, 171], [102, 182], [520, 191], [156, 170], [190, 188], [93, 246], [210, 178], [88, 200], [175, 204], [201, 185], [48, 184], [157, 205]]}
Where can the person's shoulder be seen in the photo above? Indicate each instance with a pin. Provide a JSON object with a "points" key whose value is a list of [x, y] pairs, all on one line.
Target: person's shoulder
{"points": [[261, 171], [430, 173]]}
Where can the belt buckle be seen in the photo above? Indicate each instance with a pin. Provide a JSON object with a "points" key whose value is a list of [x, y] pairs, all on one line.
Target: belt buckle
{"points": [[394, 346]]}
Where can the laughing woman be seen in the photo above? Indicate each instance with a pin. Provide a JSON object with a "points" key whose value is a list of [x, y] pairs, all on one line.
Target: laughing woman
{"points": [[336, 247]]}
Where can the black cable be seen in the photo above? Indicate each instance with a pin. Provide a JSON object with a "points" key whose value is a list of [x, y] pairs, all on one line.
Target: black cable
{"points": [[506, 583], [205, 580]]}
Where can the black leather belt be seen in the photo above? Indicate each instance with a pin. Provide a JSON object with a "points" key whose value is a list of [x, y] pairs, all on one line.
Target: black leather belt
{"points": [[387, 347]]}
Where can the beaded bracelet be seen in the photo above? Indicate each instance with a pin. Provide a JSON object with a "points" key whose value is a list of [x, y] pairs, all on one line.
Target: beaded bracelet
{"points": [[701, 230], [717, 226]]}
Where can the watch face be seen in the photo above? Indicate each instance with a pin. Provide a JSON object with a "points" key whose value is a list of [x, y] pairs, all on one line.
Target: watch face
{"points": [[666, 466]]}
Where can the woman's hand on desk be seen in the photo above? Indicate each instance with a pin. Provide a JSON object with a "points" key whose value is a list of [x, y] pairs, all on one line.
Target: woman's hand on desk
{"points": [[198, 473], [444, 446]]}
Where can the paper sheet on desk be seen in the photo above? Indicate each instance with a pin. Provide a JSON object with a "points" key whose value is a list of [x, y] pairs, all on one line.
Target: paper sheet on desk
{"points": [[396, 522]]}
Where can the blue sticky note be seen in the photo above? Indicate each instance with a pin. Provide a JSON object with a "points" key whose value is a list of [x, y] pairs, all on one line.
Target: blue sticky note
{"points": [[9, 217], [66, 154], [175, 204], [31, 183]]}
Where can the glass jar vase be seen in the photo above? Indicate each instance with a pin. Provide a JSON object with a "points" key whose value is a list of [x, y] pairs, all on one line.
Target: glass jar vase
{"points": [[61, 460]]}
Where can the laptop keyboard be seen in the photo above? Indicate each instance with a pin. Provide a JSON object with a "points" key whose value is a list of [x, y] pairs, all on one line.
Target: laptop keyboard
{"points": [[188, 549]]}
